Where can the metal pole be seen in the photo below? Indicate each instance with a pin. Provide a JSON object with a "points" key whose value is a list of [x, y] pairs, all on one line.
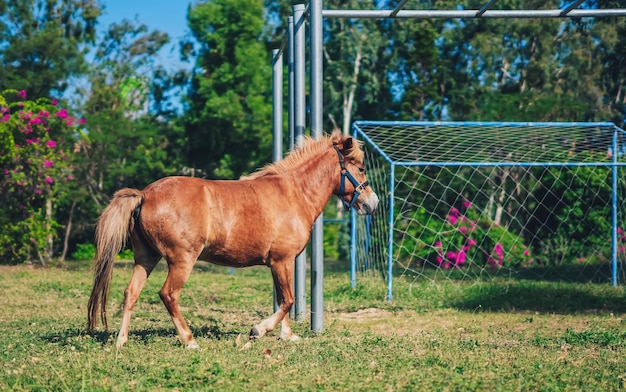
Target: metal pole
{"points": [[353, 248], [299, 119], [290, 81], [390, 237], [277, 104], [290, 130], [317, 239], [277, 117], [614, 212]]}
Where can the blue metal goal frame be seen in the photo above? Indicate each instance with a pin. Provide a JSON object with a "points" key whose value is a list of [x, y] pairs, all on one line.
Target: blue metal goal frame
{"points": [[358, 133]]}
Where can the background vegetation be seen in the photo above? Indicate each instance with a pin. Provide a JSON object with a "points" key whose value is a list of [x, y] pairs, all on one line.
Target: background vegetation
{"points": [[131, 121]]}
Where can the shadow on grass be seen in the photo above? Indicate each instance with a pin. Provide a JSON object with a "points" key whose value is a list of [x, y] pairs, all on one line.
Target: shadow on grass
{"points": [[583, 288], [541, 297], [71, 336]]}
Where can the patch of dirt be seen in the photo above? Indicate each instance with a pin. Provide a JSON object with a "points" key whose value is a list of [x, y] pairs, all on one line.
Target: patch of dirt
{"points": [[362, 315]]}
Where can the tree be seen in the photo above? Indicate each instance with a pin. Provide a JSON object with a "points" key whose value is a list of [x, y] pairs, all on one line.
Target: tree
{"points": [[228, 120], [131, 137], [43, 43]]}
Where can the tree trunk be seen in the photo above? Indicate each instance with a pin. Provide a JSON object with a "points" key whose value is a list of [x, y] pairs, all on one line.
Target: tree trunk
{"points": [[68, 229]]}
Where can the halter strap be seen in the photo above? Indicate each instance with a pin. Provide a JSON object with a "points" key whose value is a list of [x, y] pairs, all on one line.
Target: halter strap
{"points": [[358, 187]]}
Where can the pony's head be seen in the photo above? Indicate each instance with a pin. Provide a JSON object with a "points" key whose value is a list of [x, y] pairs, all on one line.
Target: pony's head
{"points": [[353, 187]]}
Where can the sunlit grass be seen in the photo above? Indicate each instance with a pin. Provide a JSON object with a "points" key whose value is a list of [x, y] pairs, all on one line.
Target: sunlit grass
{"points": [[452, 335]]}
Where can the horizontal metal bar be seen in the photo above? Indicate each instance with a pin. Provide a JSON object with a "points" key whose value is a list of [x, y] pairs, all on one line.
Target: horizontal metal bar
{"points": [[469, 14], [511, 164], [482, 124]]}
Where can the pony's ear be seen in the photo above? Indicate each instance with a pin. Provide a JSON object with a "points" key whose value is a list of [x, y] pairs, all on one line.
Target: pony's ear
{"points": [[347, 144]]}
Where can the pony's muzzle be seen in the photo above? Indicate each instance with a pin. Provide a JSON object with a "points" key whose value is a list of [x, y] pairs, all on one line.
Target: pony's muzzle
{"points": [[368, 204]]}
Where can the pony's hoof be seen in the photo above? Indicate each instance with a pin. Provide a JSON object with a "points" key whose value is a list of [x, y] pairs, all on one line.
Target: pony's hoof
{"points": [[290, 338], [192, 346], [255, 333]]}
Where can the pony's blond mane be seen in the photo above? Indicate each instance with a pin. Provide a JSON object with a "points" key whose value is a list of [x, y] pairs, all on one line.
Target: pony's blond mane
{"points": [[303, 153]]}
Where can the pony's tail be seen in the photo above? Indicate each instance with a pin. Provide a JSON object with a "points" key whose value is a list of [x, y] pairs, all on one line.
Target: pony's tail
{"points": [[111, 233]]}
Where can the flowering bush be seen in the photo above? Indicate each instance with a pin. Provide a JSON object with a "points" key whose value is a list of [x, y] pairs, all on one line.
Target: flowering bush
{"points": [[34, 164], [463, 238]]}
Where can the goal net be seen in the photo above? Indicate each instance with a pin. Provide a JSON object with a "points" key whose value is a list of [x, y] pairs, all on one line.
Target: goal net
{"points": [[476, 200]]}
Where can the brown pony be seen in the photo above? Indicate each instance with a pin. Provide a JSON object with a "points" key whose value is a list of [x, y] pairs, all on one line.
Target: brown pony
{"points": [[264, 218]]}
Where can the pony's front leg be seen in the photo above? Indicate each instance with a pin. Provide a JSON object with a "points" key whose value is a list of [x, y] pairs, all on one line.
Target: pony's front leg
{"points": [[282, 272]]}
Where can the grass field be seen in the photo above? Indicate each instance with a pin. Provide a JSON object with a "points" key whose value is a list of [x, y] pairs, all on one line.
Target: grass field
{"points": [[498, 335]]}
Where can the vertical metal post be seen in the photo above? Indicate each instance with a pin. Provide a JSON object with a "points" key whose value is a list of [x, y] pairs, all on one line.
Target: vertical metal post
{"points": [[277, 117], [290, 81], [277, 104], [353, 248], [353, 229], [390, 235], [317, 239], [614, 211], [290, 130], [299, 119]]}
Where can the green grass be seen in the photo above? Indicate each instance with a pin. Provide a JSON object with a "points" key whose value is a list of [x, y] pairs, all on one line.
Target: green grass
{"points": [[503, 334]]}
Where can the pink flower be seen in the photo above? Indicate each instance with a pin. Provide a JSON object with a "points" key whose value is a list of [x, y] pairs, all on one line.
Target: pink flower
{"points": [[438, 244], [49, 180], [62, 113], [38, 191], [460, 257], [451, 255], [51, 143], [82, 121], [454, 212], [439, 260], [526, 253], [463, 230], [22, 94], [452, 219], [471, 242], [48, 163], [467, 204], [54, 102], [620, 230], [6, 117], [35, 121], [498, 249], [44, 114], [32, 141]]}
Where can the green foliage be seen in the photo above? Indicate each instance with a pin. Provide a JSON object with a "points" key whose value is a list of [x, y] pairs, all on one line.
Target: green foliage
{"points": [[228, 121], [84, 252], [42, 43], [35, 137], [131, 138]]}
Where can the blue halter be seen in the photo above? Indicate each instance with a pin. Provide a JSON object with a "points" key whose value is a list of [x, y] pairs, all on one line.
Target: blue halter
{"points": [[358, 188]]}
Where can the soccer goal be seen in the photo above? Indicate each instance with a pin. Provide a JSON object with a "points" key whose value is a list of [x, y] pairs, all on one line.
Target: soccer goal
{"points": [[476, 200]]}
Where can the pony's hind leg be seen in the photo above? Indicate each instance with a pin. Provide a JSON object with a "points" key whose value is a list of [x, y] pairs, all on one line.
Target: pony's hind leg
{"points": [[145, 261], [282, 272], [178, 274]]}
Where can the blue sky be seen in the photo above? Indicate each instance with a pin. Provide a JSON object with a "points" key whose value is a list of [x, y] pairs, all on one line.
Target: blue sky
{"points": [[168, 16]]}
